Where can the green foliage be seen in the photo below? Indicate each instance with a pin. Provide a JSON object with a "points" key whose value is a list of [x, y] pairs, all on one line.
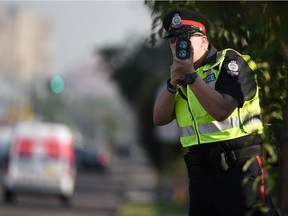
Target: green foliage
{"points": [[262, 37], [255, 28], [260, 30], [157, 209], [138, 65], [139, 74]]}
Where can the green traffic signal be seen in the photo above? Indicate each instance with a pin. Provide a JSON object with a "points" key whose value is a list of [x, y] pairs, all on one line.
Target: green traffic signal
{"points": [[57, 84]]}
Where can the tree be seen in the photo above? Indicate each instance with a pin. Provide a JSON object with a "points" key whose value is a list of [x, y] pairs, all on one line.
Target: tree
{"points": [[139, 75], [140, 71], [259, 29]]}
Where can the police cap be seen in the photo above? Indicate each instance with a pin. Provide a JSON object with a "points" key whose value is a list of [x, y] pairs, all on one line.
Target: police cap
{"points": [[187, 17]]}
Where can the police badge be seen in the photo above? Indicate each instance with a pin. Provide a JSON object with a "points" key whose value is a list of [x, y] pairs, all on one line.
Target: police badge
{"points": [[176, 21], [233, 68]]}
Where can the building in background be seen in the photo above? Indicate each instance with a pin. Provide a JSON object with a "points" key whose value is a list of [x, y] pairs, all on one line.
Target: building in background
{"points": [[25, 44], [91, 103], [25, 58]]}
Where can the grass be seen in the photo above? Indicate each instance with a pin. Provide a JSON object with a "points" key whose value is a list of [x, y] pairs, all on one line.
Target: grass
{"points": [[157, 209]]}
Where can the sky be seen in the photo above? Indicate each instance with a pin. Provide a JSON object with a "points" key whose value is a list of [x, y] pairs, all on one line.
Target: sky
{"points": [[80, 27]]}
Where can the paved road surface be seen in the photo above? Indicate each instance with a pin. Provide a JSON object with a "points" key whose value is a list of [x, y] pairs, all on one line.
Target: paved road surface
{"points": [[95, 194]]}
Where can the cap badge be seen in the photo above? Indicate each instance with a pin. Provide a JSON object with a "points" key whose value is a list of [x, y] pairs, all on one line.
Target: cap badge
{"points": [[176, 21]]}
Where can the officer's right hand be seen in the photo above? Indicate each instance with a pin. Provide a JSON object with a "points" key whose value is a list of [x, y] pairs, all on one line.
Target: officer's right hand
{"points": [[180, 67]]}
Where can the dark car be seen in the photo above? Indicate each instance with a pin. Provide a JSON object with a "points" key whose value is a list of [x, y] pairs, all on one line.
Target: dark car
{"points": [[5, 139], [92, 158], [3, 156]]}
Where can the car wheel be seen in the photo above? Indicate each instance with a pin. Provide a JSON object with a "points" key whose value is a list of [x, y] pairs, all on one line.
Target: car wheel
{"points": [[9, 196], [66, 201]]}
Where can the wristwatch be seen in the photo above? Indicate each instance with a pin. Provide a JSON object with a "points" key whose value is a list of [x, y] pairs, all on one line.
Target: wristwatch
{"points": [[190, 78]]}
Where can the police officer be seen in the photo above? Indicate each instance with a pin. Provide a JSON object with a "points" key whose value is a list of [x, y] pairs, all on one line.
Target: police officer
{"points": [[214, 97]]}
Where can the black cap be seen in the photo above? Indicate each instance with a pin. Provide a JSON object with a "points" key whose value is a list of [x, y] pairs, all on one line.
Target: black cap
{"points": [[188, 15]]}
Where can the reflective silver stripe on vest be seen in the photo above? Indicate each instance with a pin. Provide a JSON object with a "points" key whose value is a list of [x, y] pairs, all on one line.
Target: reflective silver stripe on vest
{"points": [[187, 131], [218, 126]]}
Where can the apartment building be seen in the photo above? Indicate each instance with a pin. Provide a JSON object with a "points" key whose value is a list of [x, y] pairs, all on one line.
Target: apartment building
{"points": [[25, 59], [25, 44]]}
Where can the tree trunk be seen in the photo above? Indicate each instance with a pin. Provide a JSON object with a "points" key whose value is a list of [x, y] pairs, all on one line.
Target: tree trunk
{"points": [[284, 164]]}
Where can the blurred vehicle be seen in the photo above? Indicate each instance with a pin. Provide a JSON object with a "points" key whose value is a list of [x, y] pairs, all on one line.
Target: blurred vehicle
{"points": [[5, 136], [92, 158], [41, 160]]}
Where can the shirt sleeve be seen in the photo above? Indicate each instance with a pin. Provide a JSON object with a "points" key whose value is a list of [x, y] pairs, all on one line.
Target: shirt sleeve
{"points": [[236, 78]]}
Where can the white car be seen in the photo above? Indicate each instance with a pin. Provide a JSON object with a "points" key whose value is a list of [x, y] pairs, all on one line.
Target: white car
{"points": [[41, 160]]}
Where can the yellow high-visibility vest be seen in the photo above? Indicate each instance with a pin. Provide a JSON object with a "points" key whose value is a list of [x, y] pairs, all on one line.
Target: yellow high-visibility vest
{"points": [[199, 127]]}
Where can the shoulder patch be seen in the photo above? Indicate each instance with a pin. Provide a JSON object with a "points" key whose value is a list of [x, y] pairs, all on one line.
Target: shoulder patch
{"points": [[233, 68], [232, 65]]}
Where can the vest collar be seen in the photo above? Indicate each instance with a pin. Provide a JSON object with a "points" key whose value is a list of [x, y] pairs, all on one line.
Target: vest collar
{"points": [[211, 57]]}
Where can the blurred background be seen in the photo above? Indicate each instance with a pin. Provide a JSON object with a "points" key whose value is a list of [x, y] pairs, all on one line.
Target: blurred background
{"points": [[88, 65]]}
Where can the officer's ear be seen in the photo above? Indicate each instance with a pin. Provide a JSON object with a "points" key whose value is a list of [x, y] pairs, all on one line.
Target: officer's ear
{"points": [[204, 39]]}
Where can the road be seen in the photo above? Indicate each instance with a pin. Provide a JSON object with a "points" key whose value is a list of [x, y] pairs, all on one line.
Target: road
{"points": [[96, 194]]}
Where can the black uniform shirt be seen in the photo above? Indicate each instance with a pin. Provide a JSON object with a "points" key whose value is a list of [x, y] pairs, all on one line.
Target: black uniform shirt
{"points": [[236, 78]]}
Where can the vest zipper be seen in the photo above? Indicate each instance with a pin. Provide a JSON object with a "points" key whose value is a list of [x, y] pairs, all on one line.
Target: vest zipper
{"points": [[194, 122], [193, 119]]}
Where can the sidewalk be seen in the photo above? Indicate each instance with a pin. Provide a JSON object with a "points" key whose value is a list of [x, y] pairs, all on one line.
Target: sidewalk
{"points": [[141, 184]]}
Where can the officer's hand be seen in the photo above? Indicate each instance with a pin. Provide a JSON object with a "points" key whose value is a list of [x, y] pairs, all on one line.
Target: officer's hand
{"points": [[180, 67]]}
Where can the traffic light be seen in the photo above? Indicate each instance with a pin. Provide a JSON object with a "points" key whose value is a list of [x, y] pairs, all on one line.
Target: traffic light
{"points": [[57, 84]]}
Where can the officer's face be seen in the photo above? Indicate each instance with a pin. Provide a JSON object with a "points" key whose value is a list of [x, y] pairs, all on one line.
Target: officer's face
{"points": [[175, 38], [200, 46]]}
